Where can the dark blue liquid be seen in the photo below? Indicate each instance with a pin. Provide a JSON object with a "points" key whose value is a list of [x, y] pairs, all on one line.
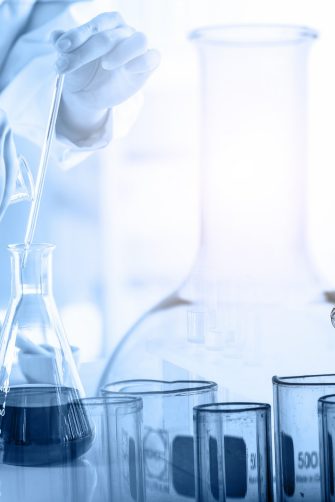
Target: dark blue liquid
{"points": [[43, 426]]}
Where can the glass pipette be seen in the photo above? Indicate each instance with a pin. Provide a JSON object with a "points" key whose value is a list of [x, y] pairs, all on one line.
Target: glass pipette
{"points": [[43, 164], [40, 178]]}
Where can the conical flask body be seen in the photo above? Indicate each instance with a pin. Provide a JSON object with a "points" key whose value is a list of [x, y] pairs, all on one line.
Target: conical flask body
{"points": [[41, 419]]}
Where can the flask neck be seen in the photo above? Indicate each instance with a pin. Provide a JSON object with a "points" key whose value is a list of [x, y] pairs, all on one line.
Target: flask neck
{"points": [[31, 270], [253, 160]]}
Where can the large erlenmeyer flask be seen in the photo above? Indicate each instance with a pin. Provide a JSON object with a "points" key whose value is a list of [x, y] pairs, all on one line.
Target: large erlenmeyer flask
{"points": [[41, 419], [251, 303]]}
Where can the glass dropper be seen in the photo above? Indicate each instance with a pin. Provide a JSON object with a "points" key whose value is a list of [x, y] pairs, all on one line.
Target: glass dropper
{"points": [[43, 164], [40, 178]]}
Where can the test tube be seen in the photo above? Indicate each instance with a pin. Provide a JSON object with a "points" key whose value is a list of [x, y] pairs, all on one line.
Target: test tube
{"points": [[326, 409], [197, 319], [168, 433], [297, 435], [233, 452]]}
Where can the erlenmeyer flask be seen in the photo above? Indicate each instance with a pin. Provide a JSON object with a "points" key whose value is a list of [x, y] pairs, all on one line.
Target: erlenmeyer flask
{"points": [[24, 183], [16, 180], [41, 419], [20, 188], [251, 304]]}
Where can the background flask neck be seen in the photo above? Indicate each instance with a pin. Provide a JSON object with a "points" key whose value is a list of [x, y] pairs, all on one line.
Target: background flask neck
{"points": [[253, 159], [31, 270]]}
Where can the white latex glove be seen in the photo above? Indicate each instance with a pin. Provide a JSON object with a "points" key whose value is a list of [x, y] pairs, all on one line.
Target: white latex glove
{"points": [[105, 62], [9, 164]]}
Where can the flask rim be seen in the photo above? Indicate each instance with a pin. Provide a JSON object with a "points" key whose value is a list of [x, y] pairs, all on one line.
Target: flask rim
{"points": [[179, 387], [250, 35], [305, 380], [231, 407]]}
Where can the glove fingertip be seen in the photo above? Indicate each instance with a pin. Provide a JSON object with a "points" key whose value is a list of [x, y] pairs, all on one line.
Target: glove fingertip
{"points": [[107, 64], [146, 63], [55, 35]]}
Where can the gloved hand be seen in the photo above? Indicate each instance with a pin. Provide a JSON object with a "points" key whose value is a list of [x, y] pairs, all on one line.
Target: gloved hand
{"points": [[105, 62], [9, 163]]}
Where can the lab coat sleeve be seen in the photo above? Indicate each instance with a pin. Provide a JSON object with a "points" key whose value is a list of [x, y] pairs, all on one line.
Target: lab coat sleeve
{"points": [[117, 124], [69, 153]]}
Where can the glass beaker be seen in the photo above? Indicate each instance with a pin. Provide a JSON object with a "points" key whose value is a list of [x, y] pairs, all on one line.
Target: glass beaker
{"points": [[233, 452], [110, 470], [326, 408], [168, 444], [249, 298], [41, 418], [116, 454], [295, 401]]}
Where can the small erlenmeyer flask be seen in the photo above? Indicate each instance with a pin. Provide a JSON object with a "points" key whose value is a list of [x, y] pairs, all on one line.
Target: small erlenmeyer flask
{"points": [[41, 419], [21, 187], [24, 183], [16, 180]]}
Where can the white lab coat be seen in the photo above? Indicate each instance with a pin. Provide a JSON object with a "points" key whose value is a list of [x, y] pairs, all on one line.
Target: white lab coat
{"points": [[70, 209]]}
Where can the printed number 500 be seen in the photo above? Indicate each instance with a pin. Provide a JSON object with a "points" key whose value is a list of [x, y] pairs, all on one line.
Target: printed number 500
{"points": [[308, 460]]}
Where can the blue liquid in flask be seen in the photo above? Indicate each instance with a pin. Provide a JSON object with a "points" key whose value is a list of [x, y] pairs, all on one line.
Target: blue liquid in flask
{"points": [[43, 425]]}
